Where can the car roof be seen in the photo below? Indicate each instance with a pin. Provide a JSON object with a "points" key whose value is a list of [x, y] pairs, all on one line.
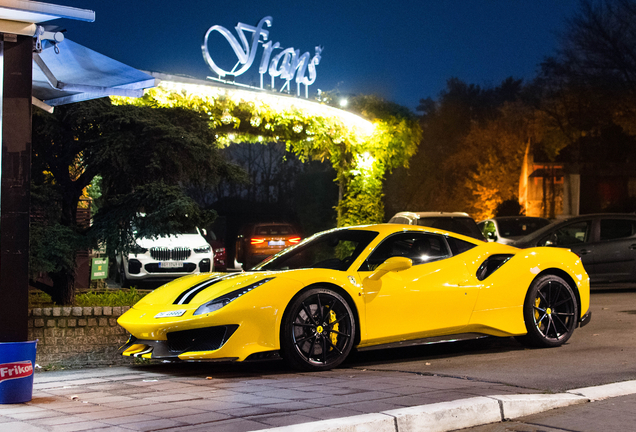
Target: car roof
{"points": [[420, 215], [515, 217], [388, 228], [540, 232]]}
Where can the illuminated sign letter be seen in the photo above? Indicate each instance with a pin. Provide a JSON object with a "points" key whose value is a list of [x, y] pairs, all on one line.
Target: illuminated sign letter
{"points": [[285, 64], [246, 53]]}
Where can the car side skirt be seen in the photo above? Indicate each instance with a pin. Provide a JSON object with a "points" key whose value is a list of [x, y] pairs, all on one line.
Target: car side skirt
{"points": [[426, 341]]}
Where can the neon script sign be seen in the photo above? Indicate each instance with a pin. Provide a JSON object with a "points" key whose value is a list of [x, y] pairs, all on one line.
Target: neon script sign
{"points": [[286, 64]]}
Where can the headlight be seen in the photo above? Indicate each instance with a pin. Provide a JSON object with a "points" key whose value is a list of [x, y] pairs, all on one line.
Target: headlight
{"points": [[219, 302], [202, 249]]}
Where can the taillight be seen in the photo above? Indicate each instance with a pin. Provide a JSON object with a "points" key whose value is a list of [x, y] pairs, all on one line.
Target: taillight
{"points": [[257, 241], [293, 240]]}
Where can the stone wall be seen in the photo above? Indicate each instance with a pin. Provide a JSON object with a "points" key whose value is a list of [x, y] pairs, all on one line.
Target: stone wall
{"points": [[78, 336]]}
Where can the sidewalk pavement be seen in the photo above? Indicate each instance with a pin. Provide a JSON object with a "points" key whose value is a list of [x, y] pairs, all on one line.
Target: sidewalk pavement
{"points": [[206, 397]]}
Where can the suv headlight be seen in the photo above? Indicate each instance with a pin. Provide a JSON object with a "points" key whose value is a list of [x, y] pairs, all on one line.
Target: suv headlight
{"points": [[202, 249], [219, 302]]}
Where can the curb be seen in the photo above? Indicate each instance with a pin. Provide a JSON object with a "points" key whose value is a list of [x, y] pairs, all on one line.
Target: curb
{"points": [[606, 391], [462, 413]]}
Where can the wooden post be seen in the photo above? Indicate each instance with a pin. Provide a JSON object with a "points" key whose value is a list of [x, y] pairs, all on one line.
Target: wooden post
{"points": [[15, 123]]}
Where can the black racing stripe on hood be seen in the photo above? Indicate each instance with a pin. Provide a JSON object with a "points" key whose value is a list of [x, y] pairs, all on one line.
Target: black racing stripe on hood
{"points": [[187, 296]]}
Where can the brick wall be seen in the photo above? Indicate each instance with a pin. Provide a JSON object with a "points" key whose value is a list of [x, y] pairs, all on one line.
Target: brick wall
{"points": [[78, 336]]}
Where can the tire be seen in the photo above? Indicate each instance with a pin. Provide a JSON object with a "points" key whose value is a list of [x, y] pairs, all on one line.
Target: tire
{"points": [[550, 312], [123, 280], [318, 330]]}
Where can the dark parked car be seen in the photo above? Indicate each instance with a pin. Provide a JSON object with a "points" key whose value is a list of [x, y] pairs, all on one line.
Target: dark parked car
{"points": [[456, 222], [605, 242], [256, 242], [506, 229], [220, 255]]}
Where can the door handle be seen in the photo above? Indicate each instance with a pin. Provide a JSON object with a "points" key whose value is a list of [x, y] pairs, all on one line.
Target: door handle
{"points": [[587, 251], [632, 247]]}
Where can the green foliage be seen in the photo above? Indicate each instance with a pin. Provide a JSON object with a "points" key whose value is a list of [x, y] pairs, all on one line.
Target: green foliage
{"points": [[311, 135], [120, 297], [139, 159]]}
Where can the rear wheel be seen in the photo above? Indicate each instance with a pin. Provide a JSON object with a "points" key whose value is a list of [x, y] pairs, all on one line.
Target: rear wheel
{"points": [[550, 312], [318, 330]]}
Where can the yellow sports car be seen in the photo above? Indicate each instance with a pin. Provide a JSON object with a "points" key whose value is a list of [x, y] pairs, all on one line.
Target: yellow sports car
{"points": [[363, 287]]}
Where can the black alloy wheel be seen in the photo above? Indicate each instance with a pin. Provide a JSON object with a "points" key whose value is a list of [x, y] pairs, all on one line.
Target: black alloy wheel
{"points": [[550, 312], [318, 330]]}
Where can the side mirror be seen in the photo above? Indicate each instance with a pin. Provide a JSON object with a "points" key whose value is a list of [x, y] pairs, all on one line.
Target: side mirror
{"points": [[390, 265]]}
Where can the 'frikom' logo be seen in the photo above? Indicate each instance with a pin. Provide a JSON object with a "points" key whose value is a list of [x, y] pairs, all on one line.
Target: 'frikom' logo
{"points": [[15, 370]]}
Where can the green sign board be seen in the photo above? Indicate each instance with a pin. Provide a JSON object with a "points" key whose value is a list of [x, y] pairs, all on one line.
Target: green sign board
{"points": [[99, 269]]}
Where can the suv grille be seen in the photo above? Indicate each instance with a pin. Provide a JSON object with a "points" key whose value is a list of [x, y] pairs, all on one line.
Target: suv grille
{"points": [[165, 254]]}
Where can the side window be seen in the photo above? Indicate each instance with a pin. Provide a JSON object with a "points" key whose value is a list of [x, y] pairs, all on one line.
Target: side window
{"points": [[612, 229], [568, 235], [459, 246], [420, 248]]}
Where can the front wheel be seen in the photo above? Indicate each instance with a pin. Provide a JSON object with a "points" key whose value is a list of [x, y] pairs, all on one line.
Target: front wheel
{"points": [[318, 330], [550, 312]]}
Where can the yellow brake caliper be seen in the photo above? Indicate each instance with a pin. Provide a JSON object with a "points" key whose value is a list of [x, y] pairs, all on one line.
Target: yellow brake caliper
{"points": [[537, 302], [334, 336]]}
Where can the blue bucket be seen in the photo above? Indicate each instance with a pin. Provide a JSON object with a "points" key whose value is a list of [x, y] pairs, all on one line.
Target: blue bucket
{"points": [[17, 362]]}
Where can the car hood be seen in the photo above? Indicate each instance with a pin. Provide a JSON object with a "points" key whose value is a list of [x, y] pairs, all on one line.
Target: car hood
{"points": [[178, 240], [191, 291]]}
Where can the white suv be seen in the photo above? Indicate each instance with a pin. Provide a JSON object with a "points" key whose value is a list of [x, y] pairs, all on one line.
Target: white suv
{"points": [[165, 258]]}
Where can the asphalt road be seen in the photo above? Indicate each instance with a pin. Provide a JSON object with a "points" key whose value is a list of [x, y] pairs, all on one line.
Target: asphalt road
{"points": [[602, 352]]}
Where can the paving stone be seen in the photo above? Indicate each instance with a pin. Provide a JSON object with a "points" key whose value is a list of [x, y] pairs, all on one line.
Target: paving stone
{"points": [[34, 415], [65, 419], [232, 425], [284, 420], [205, 417], [129, 419], [353, 397], [178, 412], [152, 425], [76, 427], [161, 397], [22, 427]]}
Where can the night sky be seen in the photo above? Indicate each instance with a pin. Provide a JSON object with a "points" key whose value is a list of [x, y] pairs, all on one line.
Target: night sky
{"points": [[401, 50]]}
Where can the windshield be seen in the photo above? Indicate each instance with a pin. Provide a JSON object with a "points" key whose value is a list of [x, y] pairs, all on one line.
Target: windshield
{"points": [[335, 249], [520, 227], [460, 225]]}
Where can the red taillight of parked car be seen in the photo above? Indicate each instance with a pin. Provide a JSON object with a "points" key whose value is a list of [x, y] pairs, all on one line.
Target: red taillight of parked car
{"points": [[257, 241], [293, 240]]}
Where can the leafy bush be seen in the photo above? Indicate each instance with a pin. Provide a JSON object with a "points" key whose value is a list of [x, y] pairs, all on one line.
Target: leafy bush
{"points": [[120, 297]]}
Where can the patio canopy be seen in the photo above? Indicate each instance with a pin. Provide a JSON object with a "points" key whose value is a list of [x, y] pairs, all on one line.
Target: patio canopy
{"points": [[76, 73]]}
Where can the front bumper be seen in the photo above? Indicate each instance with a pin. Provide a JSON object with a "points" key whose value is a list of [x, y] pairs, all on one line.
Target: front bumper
{"points": [[180, 342], [585, 319]]}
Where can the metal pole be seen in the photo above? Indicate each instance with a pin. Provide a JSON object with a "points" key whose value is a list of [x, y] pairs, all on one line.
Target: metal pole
{"points": [[15, 176]]}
